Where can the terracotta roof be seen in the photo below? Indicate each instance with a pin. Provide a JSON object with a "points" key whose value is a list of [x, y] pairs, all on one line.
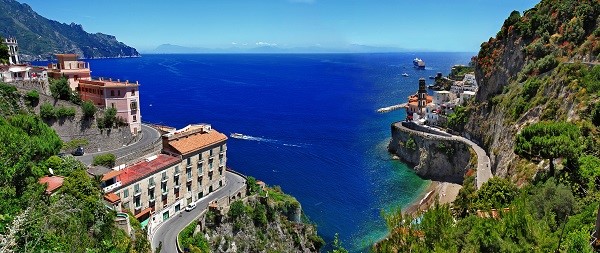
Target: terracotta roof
{"points": [[112, 198], [110, 174], [194, 142], [54, 182], [145, 211], [143, 169]]}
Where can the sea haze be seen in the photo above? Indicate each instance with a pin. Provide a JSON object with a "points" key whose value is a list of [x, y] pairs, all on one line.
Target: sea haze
{"points": [[313, 120]]}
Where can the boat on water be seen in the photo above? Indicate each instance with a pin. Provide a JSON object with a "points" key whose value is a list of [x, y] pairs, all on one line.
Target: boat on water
{"points": [[404, 75], [419, 64], [238, 136]]}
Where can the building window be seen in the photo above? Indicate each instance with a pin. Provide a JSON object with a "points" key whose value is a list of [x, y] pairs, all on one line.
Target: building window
{"points": [[119, 93], [151, 194], [133, 105], [102, 92], [133, 92], [112, 105], [188, 188], [210, 152], [134, 118], [189, 172], [137, 202], [112, 92], [163, 187], [151, 181], [126, 205], [125, 193]]}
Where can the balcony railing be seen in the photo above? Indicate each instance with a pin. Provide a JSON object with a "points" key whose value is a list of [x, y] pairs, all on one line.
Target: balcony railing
{"points": [[137, 193], [137, 208], [151, 200], [164, 179], [165, 193], [151, 187], [112, 187], [189, 180]]}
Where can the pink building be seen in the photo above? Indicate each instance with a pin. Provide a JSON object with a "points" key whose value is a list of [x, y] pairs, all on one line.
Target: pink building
{"points": [[123, 96], [69, 67]]}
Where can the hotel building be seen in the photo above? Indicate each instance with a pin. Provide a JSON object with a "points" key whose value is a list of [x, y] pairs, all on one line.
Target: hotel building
{"points": [[69, 67], [160, 186]]}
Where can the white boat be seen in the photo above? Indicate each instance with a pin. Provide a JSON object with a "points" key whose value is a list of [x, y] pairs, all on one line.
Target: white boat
{"points": [[405, 75], [419, 64], [238, 136]]}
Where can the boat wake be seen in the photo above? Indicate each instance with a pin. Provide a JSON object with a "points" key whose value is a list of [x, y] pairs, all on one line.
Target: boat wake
{"points": [[261, 139]]}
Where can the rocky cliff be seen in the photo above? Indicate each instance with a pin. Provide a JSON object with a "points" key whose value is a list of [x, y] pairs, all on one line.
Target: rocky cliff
{"points": [[40, 38], [534, 69], [432, 157]]}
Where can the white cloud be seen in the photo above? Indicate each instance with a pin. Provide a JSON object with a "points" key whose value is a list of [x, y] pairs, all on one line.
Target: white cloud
{"points": [[260, 43], [233, 43]]}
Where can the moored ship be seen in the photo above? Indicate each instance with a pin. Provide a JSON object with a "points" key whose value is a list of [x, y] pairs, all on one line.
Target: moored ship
{"points": [[419, 64]]}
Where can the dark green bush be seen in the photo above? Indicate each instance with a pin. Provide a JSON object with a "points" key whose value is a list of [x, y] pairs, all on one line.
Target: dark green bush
{"points": [[89, 109], [107, 160], [32, 98], [65, 112], [47, 111]]}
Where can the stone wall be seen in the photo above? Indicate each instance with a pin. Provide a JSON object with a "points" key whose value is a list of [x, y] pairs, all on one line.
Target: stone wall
{"points": [[433, 157]]}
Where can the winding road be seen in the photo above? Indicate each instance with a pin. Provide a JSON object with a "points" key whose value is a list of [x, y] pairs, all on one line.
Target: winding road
{"points": [[149, 135], [168, 231], [484, 170]]}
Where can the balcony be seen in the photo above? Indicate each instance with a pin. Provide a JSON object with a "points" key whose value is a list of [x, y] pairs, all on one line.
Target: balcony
{"points": [[152, 200], [189, 166], [151, 187], [176, 174], [164, 179], [200, 162], [137, 193], [138, 208], [176, 187], [111, 187], [165, 193], [189, 179]]}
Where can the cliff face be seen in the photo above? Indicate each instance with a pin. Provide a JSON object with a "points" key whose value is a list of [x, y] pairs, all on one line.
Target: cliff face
{"points": [[41, 38], [433, 158], [530, 72]]}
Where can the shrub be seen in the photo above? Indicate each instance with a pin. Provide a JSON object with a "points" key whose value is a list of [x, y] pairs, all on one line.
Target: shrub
{"points": [[107, 160], [64, 112], [32, 98], [75, 98], [89, 109], [47, 111], [110, 117], [60, 88], [236, 210]]}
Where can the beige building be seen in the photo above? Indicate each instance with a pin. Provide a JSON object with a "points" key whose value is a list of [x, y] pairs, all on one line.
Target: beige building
{"points": [[71, 68], [157, 188], [203, 157]]}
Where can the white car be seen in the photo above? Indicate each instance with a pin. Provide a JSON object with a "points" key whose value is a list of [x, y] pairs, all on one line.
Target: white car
{"points": [[190, 207]]}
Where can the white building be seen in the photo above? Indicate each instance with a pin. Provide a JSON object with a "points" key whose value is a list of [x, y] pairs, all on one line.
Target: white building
{"points": [[442, 96], [466, 96]]}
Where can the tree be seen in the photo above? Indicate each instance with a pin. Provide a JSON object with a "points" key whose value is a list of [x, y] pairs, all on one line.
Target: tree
{"points": [[549, 140], [589, 171], [495, 193], [236, 210], [107, 160], [89, 109], [32, 98], [60, 88], [110, 117], [4, 56], [337, 245]]}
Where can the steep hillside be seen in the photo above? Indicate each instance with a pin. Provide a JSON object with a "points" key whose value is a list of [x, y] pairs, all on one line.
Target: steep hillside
{"points": [[540, 66], [40, 38]]}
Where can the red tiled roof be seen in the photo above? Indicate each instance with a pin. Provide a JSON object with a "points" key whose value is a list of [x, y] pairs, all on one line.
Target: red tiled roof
{"points": [[54, 182], [194, 142], [142, 169], [111, 197]]}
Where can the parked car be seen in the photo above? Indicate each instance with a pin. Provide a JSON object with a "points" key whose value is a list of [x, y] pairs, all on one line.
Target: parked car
{"points": [[78, 151], [190, 207]]}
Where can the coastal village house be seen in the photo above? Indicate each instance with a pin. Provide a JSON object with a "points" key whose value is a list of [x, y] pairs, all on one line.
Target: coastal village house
{"points": [[15, 71], [69, 67], [123, 96], [193, 165], [433, 110], [104, 93]]}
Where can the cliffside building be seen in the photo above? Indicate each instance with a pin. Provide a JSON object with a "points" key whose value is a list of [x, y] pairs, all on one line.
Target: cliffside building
{"points": [[203, 157], [123, 96], [69, 67]]}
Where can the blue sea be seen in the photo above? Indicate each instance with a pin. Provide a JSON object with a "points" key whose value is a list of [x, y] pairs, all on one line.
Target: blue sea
{"points": [[312, 120]]}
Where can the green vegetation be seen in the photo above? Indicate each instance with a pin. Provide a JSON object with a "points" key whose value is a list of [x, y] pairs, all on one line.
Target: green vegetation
{"points": [[107, 160], [459, 118], [109, 119], [89, 109], [549, 140], [74, 143], [47, 111], [194, 243], [32, 98], [458, 72], [337, 245], [60, 89], [9, 100], [73, 219], [410, 143], [4, 56]]}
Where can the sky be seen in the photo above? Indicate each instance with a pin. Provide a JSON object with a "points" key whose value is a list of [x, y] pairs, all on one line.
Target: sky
{"points": [[429, 25]]}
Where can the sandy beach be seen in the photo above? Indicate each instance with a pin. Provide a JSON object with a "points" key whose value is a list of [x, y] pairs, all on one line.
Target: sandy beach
{"points": [[445, 192]]}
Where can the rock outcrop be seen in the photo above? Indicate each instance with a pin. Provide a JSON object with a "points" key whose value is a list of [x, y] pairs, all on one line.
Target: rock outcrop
{"points": [[432, 157]]}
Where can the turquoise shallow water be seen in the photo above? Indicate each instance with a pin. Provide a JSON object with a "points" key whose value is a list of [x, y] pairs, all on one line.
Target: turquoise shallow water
{"points": [[313, 118]]}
